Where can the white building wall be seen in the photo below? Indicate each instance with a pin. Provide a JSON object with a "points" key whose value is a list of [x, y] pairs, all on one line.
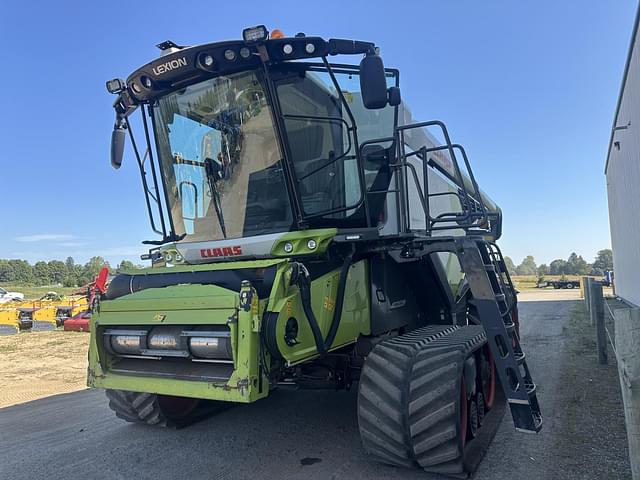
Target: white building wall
{"points": [[623, 185]]}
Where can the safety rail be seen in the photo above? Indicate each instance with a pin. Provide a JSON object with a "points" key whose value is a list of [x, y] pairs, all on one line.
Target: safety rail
{"points": [[472, 213]]}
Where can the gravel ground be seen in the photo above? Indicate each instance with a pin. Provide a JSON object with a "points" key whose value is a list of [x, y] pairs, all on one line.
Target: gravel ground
{"points": [[313, 435], [583, 436]]}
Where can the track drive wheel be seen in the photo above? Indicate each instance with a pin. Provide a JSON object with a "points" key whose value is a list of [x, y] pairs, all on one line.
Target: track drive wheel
{"points": [[418, 406], [160, 410]]}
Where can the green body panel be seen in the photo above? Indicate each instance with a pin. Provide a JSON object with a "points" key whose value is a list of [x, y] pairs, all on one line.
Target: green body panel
{"points": [[355, 319], [180, 303], [183, 304], [213, 305]]}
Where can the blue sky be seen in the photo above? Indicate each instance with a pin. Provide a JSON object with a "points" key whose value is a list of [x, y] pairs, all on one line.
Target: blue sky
{"points": [[528, 87]]}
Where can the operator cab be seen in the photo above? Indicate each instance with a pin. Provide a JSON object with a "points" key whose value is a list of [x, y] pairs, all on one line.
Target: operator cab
{"points": [[253, 140]]}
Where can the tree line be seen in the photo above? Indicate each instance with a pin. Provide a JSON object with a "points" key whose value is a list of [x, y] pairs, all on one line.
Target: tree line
{"points": [[56, 272], [72, 274], [574, 265]]}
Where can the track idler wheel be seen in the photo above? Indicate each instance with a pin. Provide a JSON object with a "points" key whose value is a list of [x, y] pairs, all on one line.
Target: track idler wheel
{"points": [[474, 422], [481, 408], [161, 410], [489, 378]]}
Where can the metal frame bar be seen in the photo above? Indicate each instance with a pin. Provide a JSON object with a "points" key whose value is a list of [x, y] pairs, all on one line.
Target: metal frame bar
{"points": [[468, 216], [148, 111]]}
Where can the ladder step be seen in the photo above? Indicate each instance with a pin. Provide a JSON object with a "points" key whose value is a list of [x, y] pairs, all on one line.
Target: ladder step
{"points": [[500, 297], [530, 387], [490, 267], [538, 419], [519, 357]]}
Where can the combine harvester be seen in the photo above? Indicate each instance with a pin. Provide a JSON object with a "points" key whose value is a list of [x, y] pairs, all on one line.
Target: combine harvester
{"points": [[311, 236]]}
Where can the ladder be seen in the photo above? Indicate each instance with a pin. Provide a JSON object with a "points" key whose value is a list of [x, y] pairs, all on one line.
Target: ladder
{"points": [[494, 299]]}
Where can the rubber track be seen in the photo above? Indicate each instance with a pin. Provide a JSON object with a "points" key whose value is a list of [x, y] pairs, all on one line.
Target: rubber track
{"points": [[408, 397]]}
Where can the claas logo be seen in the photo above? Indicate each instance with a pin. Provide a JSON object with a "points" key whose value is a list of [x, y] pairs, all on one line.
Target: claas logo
{"points": [[221, 252]]}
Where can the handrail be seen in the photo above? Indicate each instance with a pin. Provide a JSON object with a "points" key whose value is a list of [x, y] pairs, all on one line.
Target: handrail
{"points": [[473, 211]]}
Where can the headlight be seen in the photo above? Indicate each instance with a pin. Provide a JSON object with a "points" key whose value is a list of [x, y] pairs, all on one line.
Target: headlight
{"points": [[210, 347], [172, 256], [126, 342], [255, 34], [207, 60], [166, 338]]}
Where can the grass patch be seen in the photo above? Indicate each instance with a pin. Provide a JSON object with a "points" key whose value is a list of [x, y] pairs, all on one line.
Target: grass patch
{"points": [[8, 348]]}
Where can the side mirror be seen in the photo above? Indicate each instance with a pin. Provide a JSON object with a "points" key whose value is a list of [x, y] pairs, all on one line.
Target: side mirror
{"points": [[394, 96], [374, 157], [373, 82], [117, 146]]}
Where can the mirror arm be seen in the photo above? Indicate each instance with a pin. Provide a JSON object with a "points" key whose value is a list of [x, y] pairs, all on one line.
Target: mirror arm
{"points": [[121, 122], [124, 106]]}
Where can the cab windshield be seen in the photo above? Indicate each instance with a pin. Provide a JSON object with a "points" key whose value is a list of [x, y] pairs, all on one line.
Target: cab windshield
{"points": [[221, 162], [223, 166]]}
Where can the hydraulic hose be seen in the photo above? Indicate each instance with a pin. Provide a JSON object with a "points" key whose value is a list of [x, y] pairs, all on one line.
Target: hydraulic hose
{"points": [[304, 283]]}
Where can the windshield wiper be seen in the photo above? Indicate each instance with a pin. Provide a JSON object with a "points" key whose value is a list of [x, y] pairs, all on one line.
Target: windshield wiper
{"points": [[212, 169]]}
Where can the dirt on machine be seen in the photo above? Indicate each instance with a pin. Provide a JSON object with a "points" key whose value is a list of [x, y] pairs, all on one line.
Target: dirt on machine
{"points": [[311, 235]]}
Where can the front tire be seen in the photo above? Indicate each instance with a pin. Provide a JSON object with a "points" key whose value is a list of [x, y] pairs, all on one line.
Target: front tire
{"points": [[159, 410]]}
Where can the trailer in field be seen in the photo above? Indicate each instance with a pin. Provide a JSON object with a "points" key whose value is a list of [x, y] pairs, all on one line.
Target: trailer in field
{"points": [[558, 284]]}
